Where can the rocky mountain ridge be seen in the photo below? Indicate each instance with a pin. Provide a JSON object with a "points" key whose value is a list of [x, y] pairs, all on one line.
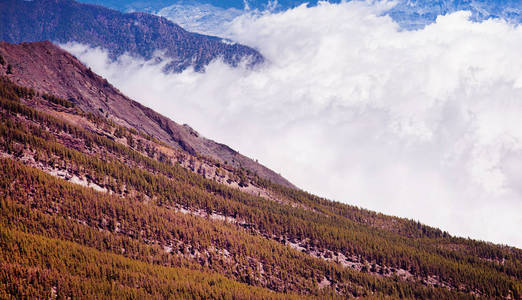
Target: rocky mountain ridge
{"points": [[139, 34]]}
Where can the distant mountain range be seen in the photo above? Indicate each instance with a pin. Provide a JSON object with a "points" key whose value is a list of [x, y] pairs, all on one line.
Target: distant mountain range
{"points": [[205, 15], [415, 14], [151, 6], [139, 33]]}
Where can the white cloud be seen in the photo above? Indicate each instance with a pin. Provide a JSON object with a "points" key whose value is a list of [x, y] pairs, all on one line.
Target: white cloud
{"points": [[422, 124]]}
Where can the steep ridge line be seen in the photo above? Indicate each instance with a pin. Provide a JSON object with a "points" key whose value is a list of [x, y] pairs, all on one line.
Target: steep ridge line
{"points": [[49, 69]]}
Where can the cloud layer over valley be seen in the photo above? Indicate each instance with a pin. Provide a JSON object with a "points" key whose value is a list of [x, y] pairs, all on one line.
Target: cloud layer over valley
{"points": [[422, 124]]}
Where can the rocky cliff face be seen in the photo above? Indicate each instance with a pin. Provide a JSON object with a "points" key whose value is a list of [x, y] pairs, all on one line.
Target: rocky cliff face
{"points": [[140, 34], [49, 69]]}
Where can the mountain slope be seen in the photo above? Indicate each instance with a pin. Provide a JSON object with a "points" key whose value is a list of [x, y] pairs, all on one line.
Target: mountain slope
{"points": [[140, 34], [79, 184], [55, 71]]}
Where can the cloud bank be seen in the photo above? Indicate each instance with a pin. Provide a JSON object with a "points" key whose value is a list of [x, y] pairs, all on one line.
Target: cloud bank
{"points": [[422, 124]]}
